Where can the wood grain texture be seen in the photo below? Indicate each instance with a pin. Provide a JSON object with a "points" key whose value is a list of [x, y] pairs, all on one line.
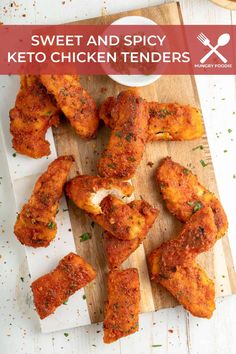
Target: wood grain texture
{"points": [[181, 89], [228, 4]]}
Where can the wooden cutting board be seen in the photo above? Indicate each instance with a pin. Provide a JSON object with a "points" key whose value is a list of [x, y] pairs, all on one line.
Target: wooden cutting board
{"points": [[218, 263]]}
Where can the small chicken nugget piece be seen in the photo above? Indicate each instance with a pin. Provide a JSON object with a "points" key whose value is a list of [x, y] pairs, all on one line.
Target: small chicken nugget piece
{"points": [[122, 306], [76, 103], [87, 192], [167, 121], [119, 250], [53, 289], [184, 195], [172, 121], [198, 235], [188, 283], [35, 225], [123, 221], [34, 112], [128, 138]]}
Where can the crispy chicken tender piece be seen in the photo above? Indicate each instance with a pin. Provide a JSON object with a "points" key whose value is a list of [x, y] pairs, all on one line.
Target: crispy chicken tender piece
{"points": [[198, 235], [128, 138], [173, 266], [87, 192], [124, 221], [172, 121], [74, 101], [122, 306], [35, 111], [53, 289], [184, 195], [167, 121], [188, 283], [119, 250], [35, 225]]}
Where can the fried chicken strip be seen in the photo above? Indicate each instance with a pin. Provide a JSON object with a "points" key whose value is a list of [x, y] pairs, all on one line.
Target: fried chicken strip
{"points": [[167, 121], [173, 266], [87, 192], [122, 306], [35, 225], [123, 221], [34, 112], [184, 195], [76, 103], [188, 283], [53, 289], [128, 138], [119, 250]]}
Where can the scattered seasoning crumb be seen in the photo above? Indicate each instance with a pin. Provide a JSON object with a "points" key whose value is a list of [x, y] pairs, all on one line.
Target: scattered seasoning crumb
{"points": [[200, 147], [225, 151], [66, 334], [203, 163], [92, 224], [69, 230], [230, 131], [213, 109], [170, 330], [24, 15], [103, 89], [150, 164], [84, 297], [22, 279], [86, 236], [94, 345], [234, 176], [14, 154]]}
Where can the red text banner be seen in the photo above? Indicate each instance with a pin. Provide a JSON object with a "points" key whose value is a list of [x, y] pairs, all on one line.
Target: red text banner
{"points": [[126, 49]]}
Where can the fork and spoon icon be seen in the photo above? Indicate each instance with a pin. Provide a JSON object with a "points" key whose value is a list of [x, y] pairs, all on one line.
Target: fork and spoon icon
{"points": [[222, 41]]}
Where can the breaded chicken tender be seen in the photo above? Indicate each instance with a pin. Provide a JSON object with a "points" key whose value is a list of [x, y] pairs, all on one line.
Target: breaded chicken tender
{"points": [[122, 306], [76, 103], [184, 195], [172, 121], [198, 235], [53, 289], [128, 138], [167, 121], [87, 192], [119, 250], [122, 220], [35, 225], [188, 283], [173, 266], [35, 111]]}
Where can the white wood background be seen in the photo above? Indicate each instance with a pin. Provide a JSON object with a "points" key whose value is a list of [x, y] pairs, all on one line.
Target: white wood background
{"points": [[170, 331]]}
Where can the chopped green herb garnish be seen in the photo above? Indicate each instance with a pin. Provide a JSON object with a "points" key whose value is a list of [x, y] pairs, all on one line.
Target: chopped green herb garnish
{"points": [[49, 113], [163, 113], [65, 302], [111, 165], [186, 171], [190, 203], [14, 154], [203, 163], [131, 158], [234, 176], [129, 137], [230, 130], [51, 225], [66, 334], [225, 151], [84, 297], [197, 207], [198, 147], [156, 345], [22, 279], [119, 134], [86, 236]]}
